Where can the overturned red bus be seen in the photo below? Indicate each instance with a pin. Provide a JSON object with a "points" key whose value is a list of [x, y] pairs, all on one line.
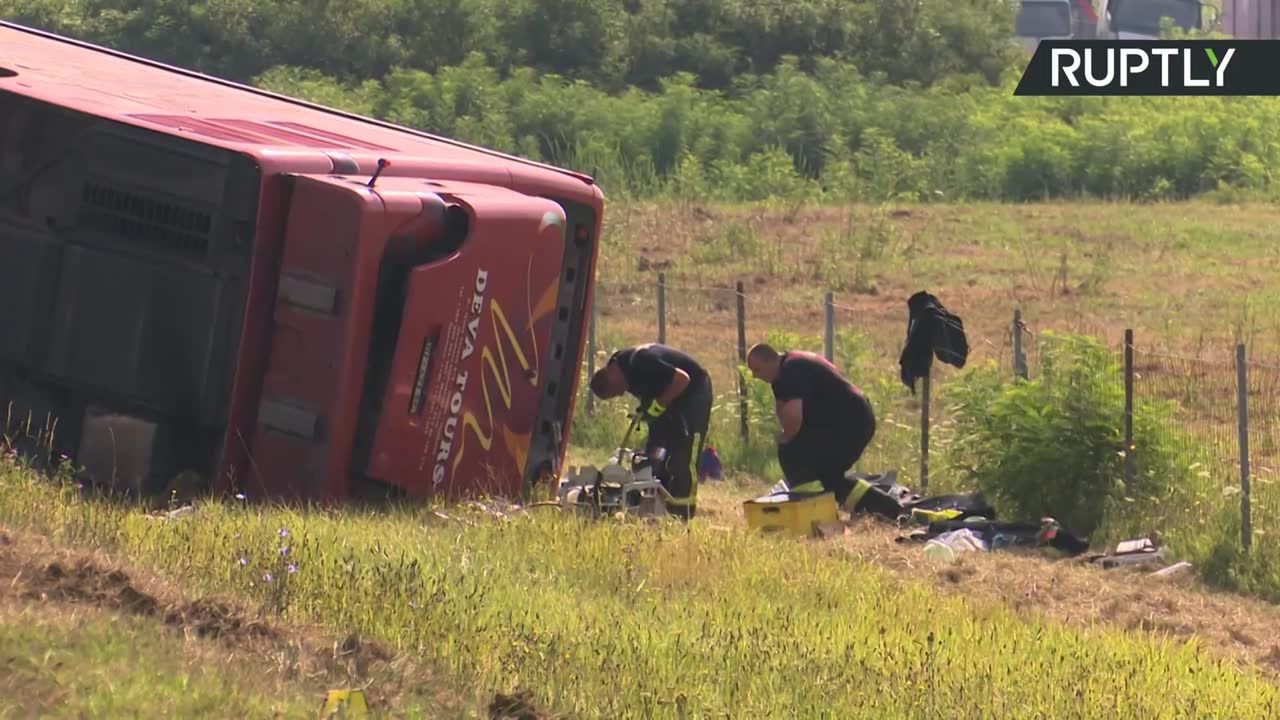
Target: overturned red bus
{"points": [[282, 299]]}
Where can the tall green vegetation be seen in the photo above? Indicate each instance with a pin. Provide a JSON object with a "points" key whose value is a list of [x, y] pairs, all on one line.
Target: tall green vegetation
{"points": [[711, 100], [1054, 445], [623, 619], [613, 44]]}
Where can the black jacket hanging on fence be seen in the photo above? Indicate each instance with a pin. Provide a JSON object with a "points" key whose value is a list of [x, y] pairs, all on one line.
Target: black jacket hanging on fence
{"points": [[931, 330]]}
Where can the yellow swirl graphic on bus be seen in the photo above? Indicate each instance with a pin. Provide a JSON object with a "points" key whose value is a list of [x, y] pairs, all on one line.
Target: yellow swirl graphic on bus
{"points": [[517, 443]]}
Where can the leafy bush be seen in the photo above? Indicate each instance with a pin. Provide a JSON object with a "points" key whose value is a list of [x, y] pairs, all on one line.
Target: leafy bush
{"points": [[1054, 445]]}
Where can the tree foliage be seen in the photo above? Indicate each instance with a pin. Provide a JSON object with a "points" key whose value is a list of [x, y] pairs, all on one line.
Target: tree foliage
{"points": [[713, 99], [611, 43], [846, 137]]}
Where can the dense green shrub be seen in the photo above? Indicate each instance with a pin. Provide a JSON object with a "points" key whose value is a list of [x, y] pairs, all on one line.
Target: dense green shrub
{"points": [[1054, 444], [832, 134]]}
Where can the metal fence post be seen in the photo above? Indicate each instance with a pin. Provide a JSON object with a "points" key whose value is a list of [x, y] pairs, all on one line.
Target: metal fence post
{"points": [[829, 327], [1130, 462], [742, 358], [1019, 359], [591, 351], [1242, 393], [662, 308], [924, 432]]}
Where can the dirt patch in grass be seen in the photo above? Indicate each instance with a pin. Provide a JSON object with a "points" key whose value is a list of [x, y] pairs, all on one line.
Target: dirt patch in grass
{"points": [[516, 706], [82, 580], [34, 573]]}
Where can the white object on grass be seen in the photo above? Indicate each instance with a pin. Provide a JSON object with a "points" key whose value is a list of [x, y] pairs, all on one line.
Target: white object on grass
{"points": [[946, 546]]}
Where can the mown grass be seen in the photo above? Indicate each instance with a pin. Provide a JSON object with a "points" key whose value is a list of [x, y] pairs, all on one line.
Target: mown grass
{"points": [[628, 620], [1195, 276]]}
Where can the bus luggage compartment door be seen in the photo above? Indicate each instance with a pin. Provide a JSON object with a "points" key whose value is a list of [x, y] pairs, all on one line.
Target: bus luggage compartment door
{"points": [[471, 352]]}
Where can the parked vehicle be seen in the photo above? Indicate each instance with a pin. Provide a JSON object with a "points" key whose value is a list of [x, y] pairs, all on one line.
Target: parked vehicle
{"points": [[1140, 19], [1251, 19], [1054, 19]]}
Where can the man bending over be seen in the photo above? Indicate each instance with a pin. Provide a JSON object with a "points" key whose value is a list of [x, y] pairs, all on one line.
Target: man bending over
{"points": [[675, 399], [827, 422]]}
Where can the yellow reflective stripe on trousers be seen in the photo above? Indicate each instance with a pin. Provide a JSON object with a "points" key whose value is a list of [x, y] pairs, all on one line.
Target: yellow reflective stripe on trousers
{"points": [[859, 489]]}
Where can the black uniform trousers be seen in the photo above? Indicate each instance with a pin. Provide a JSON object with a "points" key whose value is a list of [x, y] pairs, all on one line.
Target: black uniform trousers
{"points": [[825, 453], [682, 432]]}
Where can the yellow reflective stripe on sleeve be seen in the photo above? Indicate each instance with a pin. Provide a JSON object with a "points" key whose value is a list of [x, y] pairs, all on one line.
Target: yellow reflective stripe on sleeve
{"points": [[812, 486], [656, 408]]}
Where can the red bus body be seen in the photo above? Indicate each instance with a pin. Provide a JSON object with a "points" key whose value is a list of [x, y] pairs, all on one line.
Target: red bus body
{"points": [[199, 278]]}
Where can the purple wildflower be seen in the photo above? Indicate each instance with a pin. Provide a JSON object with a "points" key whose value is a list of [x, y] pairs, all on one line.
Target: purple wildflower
{"points": [[268, 577], [293, 568], [240, 496], [284, 532], [284, 550], [244, 561]]}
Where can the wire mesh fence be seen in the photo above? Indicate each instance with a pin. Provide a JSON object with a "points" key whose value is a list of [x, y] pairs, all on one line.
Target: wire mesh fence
{"points": [[1225, 441], [1191, 408], [1262, 416]]}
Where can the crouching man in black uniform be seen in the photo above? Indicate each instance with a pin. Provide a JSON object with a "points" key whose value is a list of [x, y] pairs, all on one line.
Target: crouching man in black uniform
{"points": [[827, 422], [675, 399]]}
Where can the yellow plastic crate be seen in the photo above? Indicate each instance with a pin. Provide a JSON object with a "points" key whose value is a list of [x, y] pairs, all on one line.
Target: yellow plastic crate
{"points": [[794, 513]]}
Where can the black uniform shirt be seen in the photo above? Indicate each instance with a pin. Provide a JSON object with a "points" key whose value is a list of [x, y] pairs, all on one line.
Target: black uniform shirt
{"points": [[829, 398], [649, 368]]}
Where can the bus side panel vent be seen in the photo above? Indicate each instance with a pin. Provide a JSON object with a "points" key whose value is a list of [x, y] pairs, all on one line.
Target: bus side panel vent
{"points": [[146, 222]]}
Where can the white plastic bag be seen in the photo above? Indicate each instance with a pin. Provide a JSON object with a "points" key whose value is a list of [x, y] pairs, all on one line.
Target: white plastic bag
{"points": [[946, 546]]}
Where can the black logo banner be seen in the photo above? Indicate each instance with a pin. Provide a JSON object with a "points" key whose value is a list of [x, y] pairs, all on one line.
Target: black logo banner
{"points": [[1153, 67]]}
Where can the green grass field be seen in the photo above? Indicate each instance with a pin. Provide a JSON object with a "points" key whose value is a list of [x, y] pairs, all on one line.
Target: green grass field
{"points": [[626, 620], [629, 620]]}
